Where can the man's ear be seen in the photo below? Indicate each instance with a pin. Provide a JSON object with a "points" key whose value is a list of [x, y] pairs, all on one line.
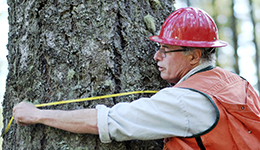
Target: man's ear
{"points": [[195, 56]]}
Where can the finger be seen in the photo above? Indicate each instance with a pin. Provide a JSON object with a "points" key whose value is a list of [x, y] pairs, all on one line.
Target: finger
{"points": [[14, 109], [22, 124], [19, 121]]}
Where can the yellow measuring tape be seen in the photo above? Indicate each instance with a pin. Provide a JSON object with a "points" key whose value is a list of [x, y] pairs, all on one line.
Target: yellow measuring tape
{"points": [[81, 100]]}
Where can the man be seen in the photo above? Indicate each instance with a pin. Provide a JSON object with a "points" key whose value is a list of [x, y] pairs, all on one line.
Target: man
{"points": [[207, 108]]}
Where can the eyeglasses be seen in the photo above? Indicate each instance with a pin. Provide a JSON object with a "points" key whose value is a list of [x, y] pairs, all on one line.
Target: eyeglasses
{"points": [[163, 52]]}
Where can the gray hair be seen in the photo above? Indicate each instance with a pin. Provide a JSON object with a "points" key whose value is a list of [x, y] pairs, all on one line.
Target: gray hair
{"points": [[208, 54]]}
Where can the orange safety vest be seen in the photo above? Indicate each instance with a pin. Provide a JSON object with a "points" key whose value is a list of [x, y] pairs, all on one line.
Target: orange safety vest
{"points": [[238, 109]]}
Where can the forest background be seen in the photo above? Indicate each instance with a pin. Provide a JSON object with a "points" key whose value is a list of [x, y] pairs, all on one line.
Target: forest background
{"points": [[238, 22]]}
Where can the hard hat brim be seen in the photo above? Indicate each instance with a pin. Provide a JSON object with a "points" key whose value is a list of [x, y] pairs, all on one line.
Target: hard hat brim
{"points": [[170, 41]]}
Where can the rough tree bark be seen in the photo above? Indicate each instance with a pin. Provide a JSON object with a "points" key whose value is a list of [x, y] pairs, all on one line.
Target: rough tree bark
{"points": [[67, 49]]}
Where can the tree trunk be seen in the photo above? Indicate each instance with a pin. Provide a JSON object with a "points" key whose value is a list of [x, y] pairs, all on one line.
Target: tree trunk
{"points": [[255, 42], [61, 50], [235, 40]]}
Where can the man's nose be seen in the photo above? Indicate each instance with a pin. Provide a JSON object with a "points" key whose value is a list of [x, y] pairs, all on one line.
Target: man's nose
{"points": [[157, 56]]}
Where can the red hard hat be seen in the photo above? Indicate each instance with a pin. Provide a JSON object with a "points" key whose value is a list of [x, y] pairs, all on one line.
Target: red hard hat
{"points": [[189, 27]]}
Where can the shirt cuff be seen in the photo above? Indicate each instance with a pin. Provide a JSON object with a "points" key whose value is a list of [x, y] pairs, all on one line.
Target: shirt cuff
{"points": [[102, 119]]}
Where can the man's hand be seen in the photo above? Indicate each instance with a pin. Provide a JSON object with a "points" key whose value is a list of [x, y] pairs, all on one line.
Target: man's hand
{"points": [[77, 121], [25, 114]]}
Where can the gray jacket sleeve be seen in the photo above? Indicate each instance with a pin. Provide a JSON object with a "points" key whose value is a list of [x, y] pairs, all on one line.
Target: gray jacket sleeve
{"points": [[170, 112]]}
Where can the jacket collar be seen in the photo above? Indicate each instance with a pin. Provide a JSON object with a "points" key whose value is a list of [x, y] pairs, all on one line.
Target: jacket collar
{"points": [[200, 68]]}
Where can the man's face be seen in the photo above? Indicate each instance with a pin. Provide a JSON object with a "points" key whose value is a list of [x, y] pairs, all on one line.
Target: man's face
{"points": [[174, 65]]}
